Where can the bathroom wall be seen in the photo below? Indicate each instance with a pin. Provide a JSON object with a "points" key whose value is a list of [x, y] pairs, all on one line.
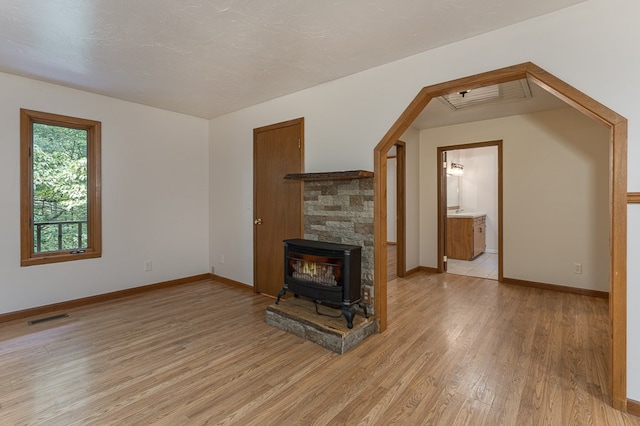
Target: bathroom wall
{"points": [[479, 188]]}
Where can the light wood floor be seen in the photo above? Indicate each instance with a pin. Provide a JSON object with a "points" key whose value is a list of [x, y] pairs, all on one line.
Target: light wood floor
{"points": [[458, 350]]}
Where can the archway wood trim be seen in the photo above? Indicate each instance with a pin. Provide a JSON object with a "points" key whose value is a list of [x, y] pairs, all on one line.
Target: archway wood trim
{"points": [[617, 194]]}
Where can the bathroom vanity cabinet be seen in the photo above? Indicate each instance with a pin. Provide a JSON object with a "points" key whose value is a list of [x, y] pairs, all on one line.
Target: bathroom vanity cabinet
{"points": [[466, 236]]}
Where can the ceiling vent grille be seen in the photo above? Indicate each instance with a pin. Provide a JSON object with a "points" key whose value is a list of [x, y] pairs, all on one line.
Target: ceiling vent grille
{"points": [[504, 92]]}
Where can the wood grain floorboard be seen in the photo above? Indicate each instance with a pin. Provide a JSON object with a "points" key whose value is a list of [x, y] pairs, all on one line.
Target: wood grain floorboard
{"points": [[458, 351]]}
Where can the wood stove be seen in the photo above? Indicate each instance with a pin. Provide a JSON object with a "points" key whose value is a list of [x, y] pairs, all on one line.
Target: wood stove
{"points": [[328, 273]]}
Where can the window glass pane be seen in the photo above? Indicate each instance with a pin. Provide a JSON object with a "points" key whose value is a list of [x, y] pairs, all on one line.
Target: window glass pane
{"points": [[59, 188]]}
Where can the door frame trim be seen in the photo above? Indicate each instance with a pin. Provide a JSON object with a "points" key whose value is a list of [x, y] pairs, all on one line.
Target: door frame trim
{"points": [[401, 208], [442, 203], [618, 141]]}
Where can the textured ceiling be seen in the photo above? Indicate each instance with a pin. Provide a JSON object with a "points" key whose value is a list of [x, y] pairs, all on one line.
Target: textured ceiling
{"points": [[207, 58]]}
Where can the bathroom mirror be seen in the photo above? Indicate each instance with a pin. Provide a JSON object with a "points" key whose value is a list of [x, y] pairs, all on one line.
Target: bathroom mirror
{"points": [[453, 192]]}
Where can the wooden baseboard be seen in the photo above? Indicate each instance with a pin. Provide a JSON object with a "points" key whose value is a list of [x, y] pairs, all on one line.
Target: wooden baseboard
{"points": [[412, 271], [39, 310], [232, 282], [553, 287], [425, 269], [633, 407]]}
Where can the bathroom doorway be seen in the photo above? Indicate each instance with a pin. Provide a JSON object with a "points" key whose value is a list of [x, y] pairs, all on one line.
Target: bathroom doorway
{"points": [[470, 210]]}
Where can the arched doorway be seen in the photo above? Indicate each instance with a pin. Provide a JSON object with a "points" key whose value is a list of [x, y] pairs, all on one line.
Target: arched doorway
{"points": [[618, 196]]}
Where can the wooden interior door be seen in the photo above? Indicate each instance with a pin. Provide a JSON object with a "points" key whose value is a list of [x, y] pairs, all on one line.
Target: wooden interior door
{"points": [[277, 151]]}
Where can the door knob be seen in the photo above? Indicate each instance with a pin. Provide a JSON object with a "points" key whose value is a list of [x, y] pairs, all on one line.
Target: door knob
{"points": [[258, 221]]}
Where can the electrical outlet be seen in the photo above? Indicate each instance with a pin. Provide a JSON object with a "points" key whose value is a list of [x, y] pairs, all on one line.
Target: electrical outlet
{"points": [[213, 270], [148, 266], [366, 296], [577, 268]]}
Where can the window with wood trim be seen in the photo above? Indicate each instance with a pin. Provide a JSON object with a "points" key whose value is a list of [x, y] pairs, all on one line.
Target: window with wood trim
{"points": [[60, 208]]}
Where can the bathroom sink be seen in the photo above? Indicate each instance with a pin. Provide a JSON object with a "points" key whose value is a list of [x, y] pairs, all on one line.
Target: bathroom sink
{"points": [[464, 214]]}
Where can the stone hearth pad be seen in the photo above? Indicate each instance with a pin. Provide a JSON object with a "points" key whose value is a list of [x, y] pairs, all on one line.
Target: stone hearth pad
{"points": [[298, 316]]}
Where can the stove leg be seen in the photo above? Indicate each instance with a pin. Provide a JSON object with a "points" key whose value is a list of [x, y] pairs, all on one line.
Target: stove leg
{"points": [[280, 294], [349, 313]]}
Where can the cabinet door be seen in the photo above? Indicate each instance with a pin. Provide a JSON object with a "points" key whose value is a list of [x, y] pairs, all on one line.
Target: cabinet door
{"points": [[479, 239], [459, 238]]}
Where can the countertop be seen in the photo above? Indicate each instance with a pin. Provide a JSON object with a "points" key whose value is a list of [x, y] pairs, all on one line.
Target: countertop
{"points": [[464, 214]]}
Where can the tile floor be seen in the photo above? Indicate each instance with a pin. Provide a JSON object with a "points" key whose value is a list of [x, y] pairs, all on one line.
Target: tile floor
{"points": [[483, 266]]}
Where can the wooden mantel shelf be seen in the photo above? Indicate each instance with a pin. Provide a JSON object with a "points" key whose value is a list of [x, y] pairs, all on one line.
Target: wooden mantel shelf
{"points": [[351, 174]]}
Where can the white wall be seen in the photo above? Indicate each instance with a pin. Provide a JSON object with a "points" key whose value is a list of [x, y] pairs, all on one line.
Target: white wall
{"points": [[633, 298], [154, 195], [454, 186], [411, 137], [555, 199], [346, 118]]}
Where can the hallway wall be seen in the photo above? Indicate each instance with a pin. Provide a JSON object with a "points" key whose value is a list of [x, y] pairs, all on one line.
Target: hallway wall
{"points": [[556, 200]]}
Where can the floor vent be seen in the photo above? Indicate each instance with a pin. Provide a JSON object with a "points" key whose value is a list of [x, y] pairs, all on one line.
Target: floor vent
{"points": [[51, 318]]}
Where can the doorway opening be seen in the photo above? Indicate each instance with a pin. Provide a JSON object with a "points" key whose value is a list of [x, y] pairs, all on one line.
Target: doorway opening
{"points": [[617, 126], [471, 198], [396, 212]]}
